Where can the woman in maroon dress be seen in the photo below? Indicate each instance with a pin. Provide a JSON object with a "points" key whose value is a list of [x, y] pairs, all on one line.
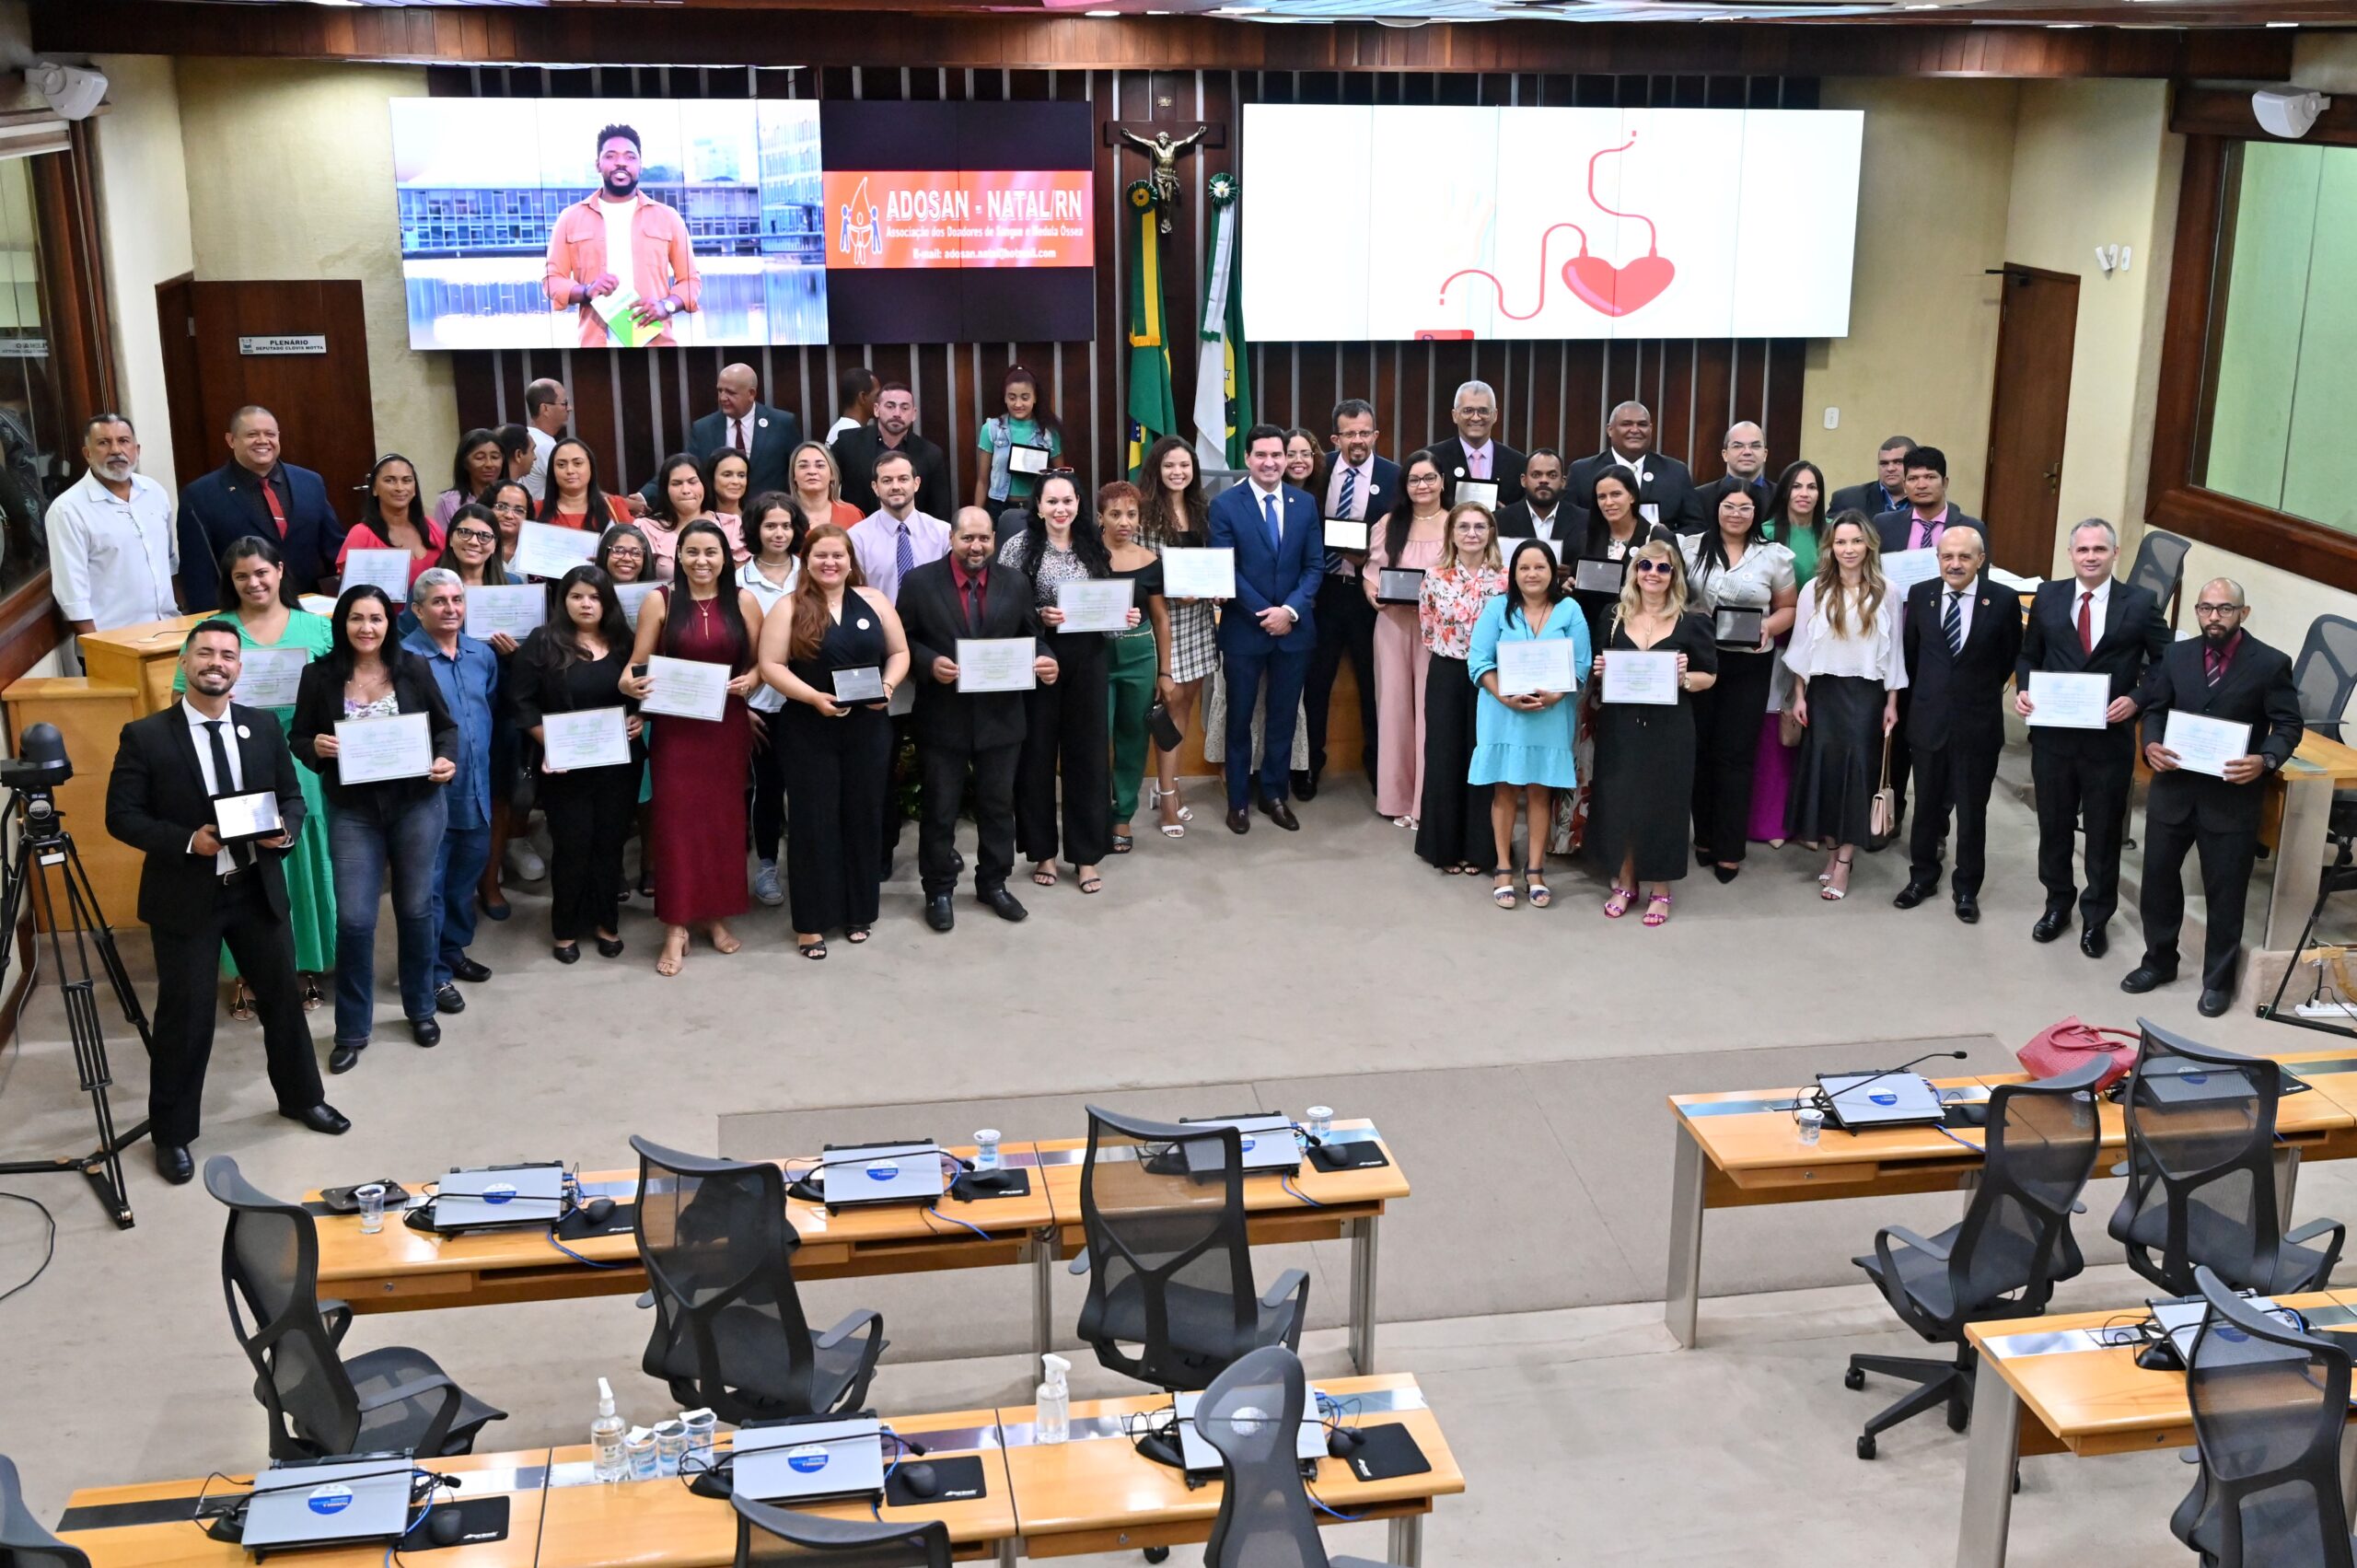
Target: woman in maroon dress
{"points": [[700, 764]]}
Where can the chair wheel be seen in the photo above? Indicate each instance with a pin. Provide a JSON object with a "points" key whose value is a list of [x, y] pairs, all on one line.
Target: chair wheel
{"points": [[1157, 1554], [1854, 1380], [1866, 1447]]}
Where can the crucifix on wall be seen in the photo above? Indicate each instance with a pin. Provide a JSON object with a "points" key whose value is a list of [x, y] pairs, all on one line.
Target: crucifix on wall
{"points": [[1164, 150]]}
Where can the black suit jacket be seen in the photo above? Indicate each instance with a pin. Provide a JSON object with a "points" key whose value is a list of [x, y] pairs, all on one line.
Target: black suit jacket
{"points": [[1570, 524], [1869, 498], [219, 508], [1895, 528], [855, 453], [2257, 690], [1669, 485], [933, 615], [1505, 468], [156, 800], [318, 708], [1960, 699], [2134, 637], [774, 434]]}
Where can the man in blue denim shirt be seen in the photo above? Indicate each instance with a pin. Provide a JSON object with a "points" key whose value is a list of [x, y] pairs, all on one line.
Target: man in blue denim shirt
{"points": [[468, 672]]}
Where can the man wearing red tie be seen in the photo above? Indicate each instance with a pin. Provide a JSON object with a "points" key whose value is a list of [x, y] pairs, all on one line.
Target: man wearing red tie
{"points": [[254, 493]]}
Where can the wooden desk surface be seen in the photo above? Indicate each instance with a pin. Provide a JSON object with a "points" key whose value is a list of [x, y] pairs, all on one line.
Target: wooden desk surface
{"points": [[661, 1524], [2093, 1398], [177, 1543], [1275, 1214], [1096, 1494], [2327, 756]]}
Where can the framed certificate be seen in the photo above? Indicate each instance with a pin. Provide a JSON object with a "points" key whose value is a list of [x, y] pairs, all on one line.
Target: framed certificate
{"points": [[1594, 576], [1096, 604], [1475, 492], [1902, 569], [1544, 664], [269, 678], [862, 684], [2059, 701], [398, 746], [591, 737], [240, 816], [1640, 678], [686, 688], [2204, 745], [996, 664], [543, 550], [1734, 627], [1396, 585], [388, 569], [1348, 533], [1022, 458], [1199, 573]]}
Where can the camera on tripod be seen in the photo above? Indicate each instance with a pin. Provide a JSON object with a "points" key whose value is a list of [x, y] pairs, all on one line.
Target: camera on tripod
{"points": [[40, 766]]}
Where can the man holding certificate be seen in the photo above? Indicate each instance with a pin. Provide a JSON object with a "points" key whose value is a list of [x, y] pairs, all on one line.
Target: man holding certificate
{"points": [[1360, 488], [181, 776], [2220, 714], [1960, 637], [2098, 636], [467, 673], [1269, 630]]}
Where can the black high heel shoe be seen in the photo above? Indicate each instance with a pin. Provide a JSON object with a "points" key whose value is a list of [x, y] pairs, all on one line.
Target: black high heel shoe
{"points": [[567, 952], [610, 948]]}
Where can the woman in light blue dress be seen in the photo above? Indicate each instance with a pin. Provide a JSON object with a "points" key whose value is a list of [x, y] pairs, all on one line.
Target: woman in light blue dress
{"points": [[1523, 744]]}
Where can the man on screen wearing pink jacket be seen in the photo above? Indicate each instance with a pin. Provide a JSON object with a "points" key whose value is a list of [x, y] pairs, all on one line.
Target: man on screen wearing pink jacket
{"points": [[620, 239]]}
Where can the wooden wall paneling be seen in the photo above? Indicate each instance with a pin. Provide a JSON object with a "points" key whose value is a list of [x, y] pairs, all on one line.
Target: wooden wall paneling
{"points": [[1713, 385], [1787, 439], [1677, 386]]}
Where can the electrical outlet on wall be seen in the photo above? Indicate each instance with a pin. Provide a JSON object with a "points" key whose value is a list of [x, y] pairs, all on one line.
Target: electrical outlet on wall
{"points": [[1832, 419]]}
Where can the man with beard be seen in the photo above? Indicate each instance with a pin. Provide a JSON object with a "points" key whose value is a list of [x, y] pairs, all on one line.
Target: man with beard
{"points": [[620, 241], [111, 549]]}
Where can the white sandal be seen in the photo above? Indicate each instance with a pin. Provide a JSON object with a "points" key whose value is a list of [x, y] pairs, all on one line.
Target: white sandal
{"points": [[1186, 813]]}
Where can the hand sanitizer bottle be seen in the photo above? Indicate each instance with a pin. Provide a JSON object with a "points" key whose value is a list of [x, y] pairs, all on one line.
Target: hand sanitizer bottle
{"points": [[606, 1437], [1054, 1421]]}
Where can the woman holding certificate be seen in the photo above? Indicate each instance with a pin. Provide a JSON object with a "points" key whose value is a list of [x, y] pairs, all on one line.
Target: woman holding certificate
{"points": [[289, 638], [1746, 585], [369, 720], [1065, 724], [392, 517], [573, 498], [1409, 539], [1795, 516], [1137, 661], [817, 486], [1453, 818], [1644, 730], [834, 636], [1525, 715], [569, 671], [1175, 517], [1612, 528], [777, 529], [1848, 671], [703, 741]]}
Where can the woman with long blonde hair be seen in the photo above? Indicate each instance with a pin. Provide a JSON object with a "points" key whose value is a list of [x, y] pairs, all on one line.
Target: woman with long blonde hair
{"points": [[1645, 751], [1848, 671]]}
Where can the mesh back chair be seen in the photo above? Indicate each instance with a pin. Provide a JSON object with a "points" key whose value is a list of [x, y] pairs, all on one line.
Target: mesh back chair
{"points": [[2269, 1401], [729, 1332], [319, 1402], [2002, 1258], [2324, 676], [23, 1542], [1250, 1413], [2201, 1173], [774, 1538], [1169, 1265], [2159, 568]]}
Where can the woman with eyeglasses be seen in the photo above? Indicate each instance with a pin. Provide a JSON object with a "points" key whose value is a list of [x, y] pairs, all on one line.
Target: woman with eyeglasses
{"points": [[627, 562], [472, 551], [725, 478], [1524, 756], [268, 617], [1173, 515], [1645, 751], [573, 498], [777, 529], [392, 517], [817, 486], [382, 826], [1733, 567], [1614, 530], [1453, 819], [1410, 539], [1304, 460], [1795, 518], [480, 463], [510, 505], [1848, 672]]}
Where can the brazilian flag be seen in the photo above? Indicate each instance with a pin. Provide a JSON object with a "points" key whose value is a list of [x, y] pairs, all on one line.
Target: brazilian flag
{"points": [[1152, 409]]}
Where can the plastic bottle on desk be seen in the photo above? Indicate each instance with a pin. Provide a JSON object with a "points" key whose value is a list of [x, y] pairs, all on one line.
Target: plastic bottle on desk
{"points": [[1053, 1424], [606, 1436]]}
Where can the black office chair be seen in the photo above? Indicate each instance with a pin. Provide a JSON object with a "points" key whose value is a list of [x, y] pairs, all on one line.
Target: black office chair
{"points": [[2159, 567], [318, 1402], [2270, 1402], [1170, 1264], [1250, 1413], [774, 1538], [2324, 677], [24, 1543], [729, 1332], [2002, 1258], [2201, 1173]]}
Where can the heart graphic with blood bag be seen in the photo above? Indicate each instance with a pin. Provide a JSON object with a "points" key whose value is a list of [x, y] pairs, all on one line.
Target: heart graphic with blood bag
{"points": [[1616, 291]]}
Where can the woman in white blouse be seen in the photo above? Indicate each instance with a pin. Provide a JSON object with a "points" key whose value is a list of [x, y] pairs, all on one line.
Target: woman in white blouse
{"points": [[1845, 658], [1733, 567]]}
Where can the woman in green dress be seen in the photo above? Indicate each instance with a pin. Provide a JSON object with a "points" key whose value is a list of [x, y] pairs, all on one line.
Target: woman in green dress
{"points": [[267, 618]]}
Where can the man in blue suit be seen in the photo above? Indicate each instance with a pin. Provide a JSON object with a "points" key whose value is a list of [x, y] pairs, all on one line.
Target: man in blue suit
{"points": [[254, 493], [1269, 630], [766, 436]]}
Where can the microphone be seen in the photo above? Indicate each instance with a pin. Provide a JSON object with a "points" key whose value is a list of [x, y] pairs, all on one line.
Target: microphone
{"points": [[1828, 1096]]}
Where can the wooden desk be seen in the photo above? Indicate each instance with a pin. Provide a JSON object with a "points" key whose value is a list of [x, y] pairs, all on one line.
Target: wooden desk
{"points": [[1323, 1207], [142, 658], [2059, 1385], [90, 716], [147, 1526], [1096, 1493], [661, 1524], [2305, 786], [1739, 1149]]}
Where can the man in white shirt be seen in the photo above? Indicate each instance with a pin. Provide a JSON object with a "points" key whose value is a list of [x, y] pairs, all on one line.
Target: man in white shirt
{"points": [[857, 405], [112, 548], [1540, 514], [546, 409], [895, 539]]}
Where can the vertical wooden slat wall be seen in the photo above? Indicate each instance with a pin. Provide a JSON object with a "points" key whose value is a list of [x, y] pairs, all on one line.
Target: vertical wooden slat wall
{"points": [[632, 407]]}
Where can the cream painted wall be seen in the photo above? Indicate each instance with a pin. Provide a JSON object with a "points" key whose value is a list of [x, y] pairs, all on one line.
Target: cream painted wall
{"points": [[290, 175], [144, 234], [1935, 180]]}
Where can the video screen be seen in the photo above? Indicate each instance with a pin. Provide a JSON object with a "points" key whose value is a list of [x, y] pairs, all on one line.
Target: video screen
{"points": [[637, 223], [1548, 223]]}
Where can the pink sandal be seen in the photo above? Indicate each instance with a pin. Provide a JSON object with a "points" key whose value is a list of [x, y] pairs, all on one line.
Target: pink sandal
{"points": [[1625, 896], [1660, 917]]}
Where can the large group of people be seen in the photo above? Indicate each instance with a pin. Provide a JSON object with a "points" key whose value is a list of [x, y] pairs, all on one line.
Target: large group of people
{"points": [[1554, 656]]}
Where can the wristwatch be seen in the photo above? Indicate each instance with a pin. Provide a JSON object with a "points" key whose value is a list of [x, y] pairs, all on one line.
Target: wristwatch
{"points": [[2271, 760]]}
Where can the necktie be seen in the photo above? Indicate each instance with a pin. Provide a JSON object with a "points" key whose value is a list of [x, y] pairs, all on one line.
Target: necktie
{"points": [[1269, 515], [277, 512], [2086, 621], [1477, 464], [736, 437], [974, 605], [224, 781], [1952, 624], [1350, 491], [1922, 537], [2214, 664], [904, 556]]}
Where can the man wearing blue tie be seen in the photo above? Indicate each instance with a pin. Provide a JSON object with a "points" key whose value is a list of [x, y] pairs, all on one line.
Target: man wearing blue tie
{"points": [[1268, 631]]}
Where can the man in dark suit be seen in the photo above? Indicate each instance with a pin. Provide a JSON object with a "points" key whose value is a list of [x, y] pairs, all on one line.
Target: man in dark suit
{"points": [[1887, 492], [1544, 511], [1360, 486], [1473, 453], [1744, 456], [254, 493], [2225, 673], [196, 893], [766, 436], [1927, 514], [1269, 630], [1961, 638], [1664, 484], [2087, 625], [965, 595], [894, 430]]}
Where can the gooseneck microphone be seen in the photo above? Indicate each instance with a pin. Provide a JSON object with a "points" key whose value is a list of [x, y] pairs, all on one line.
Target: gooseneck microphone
{"points": [[1828, 1096]]}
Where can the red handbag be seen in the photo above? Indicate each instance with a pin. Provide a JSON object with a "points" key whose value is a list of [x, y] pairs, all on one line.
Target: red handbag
{"points": [[2060, 1047]]}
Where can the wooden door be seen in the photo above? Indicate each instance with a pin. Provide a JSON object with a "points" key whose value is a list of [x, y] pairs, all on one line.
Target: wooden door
{"points": [[300, 349], [2027, 413]]}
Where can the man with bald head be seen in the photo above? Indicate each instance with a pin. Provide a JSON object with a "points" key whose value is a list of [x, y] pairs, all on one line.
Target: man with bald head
{"points": [[256, 492], [1962, 639], [766, 436], [1744, 456], [2223, 673], [1664, 486]]}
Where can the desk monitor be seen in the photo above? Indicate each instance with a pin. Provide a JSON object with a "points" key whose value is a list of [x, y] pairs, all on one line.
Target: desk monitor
{"points": [[1856, 1101], [499, 1196], [859, 1176], [804, 1461], [1268, 1144], [350, 1498], [1196, 1453]]}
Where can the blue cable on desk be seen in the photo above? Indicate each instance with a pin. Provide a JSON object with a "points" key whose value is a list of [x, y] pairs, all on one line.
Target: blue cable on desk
{"points": [[1287, 1182]]}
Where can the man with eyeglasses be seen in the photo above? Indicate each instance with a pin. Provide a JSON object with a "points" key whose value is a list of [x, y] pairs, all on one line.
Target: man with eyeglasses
{"points": [[1664, 486], [546, 409], [2224, 673], [1474, 452], [1744, 454], [1360, 486]]}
